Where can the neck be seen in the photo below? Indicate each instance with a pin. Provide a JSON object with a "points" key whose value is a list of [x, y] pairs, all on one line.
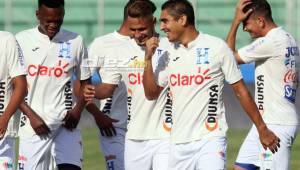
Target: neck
{"points": [[268, 28], [123, 30], [189, 35]]}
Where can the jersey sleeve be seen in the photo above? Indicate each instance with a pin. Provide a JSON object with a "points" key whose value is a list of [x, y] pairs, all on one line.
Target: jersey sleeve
{"points": [[84, 70], [110, 72], [95, 59], [260, 49], [15, 58], [229, 66]]}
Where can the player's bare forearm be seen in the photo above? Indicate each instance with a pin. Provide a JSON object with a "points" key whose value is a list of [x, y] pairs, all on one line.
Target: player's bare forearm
{"points": [[104, 90], [248, 104], [27, 110], [18, 95], [92, 108], [151, 89], [267, 138]]}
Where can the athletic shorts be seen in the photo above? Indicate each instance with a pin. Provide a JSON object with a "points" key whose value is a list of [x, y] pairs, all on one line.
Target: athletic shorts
{"points": [[147, 154], [63, 146], [204, 154], [113, 150], [7, 153], [252, 154]]}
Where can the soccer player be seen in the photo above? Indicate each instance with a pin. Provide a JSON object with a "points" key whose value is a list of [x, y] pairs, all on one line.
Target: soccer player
{"points": [[149, 122], [112, 122], [276, 57], [12, 92], [52, 57], [196, 68]]}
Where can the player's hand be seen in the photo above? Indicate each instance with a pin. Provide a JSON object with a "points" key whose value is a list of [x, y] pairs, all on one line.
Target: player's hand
{"points": [[269, 140], [89, 92], [72, 119], [105, 124], [3, 126], [39, 126], [240, 16], [151, 45]]}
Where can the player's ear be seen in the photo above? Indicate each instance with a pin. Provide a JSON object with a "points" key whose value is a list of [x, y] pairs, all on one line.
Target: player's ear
{"points": [[37, 14], [261, 22], [183, 20], [154, 21]]}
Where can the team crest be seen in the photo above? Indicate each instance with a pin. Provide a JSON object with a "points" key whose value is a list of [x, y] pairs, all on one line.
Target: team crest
{"points": [[64, 50], [202, 56]]}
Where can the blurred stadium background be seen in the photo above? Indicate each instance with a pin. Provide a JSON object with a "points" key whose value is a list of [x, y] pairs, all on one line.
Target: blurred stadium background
{"points": [[92, 18]]}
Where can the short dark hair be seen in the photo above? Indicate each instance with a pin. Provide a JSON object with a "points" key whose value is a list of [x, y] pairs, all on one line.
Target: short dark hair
{"points": [[51, 3], [139, 8], [177, 8], [260, 7]]}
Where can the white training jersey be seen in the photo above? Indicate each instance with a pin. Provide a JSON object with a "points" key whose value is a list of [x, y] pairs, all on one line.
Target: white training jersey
{"points": [[146, 119], [196, 77], [51, 65], [116, 105], [11, 65], [276, 58]]}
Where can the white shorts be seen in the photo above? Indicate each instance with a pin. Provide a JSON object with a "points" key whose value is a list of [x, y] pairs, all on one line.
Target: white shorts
{"points": [[147, 154], [64, 146], [252, 154], [113, 150], [205, 154], [7, 153]]}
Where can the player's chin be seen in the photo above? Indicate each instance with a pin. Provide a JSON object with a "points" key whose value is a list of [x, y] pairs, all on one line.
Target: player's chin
{"points": [[52, 33]]}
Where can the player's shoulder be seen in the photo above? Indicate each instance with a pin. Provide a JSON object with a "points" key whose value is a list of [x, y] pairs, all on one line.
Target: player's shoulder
{"points": [[110, 39], [5, 36], [211, 39], [25, 33]]}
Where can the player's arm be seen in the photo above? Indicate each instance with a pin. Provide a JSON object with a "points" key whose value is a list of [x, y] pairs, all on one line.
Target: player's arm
{"points": [[240, 16], [18, 94], [36, 122], [151, 89], [100, 91], [267, 137], [73, 116], [104, 123]]}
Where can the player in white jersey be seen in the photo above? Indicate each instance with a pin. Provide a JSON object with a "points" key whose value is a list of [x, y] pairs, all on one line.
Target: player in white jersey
{"points": [[276, 57], [196, 68], [52, 57], [12, 92], [147, 137], [112, 122]]}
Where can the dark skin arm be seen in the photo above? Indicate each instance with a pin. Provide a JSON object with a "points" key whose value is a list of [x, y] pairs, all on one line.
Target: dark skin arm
{"points": [[36, 122], [104, 122], [18, 94], [73, 116]]}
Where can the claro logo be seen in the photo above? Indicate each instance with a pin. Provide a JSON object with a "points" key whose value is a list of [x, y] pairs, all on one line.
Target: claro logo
{"points": [[188, 80], [135, 78], [55, 71]]}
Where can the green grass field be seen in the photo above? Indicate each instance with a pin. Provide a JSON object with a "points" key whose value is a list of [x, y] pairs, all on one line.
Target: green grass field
{"points": [[94, 161]]}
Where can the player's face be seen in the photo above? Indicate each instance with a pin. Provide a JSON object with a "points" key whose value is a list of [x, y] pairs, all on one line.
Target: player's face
{"points": [[141, 29], [170, 26], [252, 26], [50, 20]]}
